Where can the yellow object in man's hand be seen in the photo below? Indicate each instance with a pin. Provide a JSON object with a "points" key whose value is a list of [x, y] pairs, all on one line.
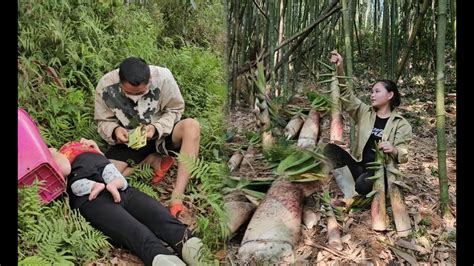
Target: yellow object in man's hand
{"points": [[137, 137]]}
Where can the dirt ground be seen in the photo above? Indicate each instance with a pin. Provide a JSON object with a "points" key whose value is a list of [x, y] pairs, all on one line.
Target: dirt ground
{"points": [[433, 240]]}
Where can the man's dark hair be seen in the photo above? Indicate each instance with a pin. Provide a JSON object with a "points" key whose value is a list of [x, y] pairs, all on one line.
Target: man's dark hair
{"points": [[390, 86], [134, 70]]}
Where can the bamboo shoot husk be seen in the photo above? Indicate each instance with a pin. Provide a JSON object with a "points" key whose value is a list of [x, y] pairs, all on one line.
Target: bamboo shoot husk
{"points": [[267, 139], [293, 127], [235, 160], [309, 132], [334, 236], [400, 214], [337, 125], [378, 208], [238, 210]]}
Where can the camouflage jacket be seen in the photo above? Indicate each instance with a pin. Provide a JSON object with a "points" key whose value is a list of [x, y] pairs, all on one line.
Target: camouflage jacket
{"points": [[161, 106], [397, 130]]}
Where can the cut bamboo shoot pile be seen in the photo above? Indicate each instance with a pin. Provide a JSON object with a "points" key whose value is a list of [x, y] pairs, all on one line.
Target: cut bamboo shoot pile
{"points": [[275, 226], [309, 132]]}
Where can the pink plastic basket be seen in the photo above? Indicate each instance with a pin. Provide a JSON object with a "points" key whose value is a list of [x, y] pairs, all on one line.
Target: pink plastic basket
{"points": [[35, 160]]}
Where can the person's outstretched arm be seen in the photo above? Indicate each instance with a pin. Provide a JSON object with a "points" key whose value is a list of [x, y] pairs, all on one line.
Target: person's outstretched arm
{"points": [[350, 103]]}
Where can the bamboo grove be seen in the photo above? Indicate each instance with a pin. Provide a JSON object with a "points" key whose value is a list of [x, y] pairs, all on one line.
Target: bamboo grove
{"points": [[397, 40]]}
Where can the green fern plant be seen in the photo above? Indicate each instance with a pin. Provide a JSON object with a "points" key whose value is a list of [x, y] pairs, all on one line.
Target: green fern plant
{"points": [[205, 194], [55, 233]]}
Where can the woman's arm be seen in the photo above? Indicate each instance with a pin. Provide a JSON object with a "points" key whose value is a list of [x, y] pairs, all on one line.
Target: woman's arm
{"points": [[350, 103]]}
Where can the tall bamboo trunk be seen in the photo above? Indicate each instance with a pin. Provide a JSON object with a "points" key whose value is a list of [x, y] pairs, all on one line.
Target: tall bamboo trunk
{"points": [[348, 63], [440, 109], [403, 58]]}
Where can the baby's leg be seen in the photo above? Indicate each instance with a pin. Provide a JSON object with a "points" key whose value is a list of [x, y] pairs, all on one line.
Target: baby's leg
{"points": [[112, 187], [83, 187], [111, 173], [96, 189]]}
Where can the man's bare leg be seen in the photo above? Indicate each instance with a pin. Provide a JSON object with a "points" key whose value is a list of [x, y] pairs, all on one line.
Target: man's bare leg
{"points": [[187, 134]]}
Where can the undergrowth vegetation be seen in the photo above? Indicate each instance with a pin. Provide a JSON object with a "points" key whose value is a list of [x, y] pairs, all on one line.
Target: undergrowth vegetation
{"points": [[64, 47]]}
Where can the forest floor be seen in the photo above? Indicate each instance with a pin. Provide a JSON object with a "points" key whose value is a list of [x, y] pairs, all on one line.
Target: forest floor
{"points": [[433, 239]]}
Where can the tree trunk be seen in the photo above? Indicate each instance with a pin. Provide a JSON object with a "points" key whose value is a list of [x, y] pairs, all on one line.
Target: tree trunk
{"points": [[383, 67], [348, 52], [403, 58], [440, 109], [394, 39]]}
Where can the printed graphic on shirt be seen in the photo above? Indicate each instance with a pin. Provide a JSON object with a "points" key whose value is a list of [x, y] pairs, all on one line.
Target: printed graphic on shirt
{"points": [[131, 114], [377, 132]]}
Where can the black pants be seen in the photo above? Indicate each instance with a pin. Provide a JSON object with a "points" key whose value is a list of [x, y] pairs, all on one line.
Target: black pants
{"points": [[138, 222], [338, 157]]}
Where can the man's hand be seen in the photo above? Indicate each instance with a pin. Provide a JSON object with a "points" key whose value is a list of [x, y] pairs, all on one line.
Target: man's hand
{"points": [[121, 135], [150, 131], [336, 58]]}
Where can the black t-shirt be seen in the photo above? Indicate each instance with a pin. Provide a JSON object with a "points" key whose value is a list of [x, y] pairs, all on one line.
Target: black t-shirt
{"points": [[368, 155], [89, 165]]}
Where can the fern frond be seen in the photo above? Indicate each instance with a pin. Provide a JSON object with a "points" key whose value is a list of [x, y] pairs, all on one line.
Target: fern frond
{"points": [[143, 187], [142, 173]]}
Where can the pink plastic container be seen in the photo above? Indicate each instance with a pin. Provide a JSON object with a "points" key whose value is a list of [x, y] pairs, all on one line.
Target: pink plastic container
{"points": [[35, 160]]}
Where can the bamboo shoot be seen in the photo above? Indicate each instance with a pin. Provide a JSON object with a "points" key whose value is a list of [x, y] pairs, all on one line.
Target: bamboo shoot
{"points": [[309, 132], [378, 208], [400, 214], [274, 228], [238, 210], [337, 125], [293, 127], [235, 160]]}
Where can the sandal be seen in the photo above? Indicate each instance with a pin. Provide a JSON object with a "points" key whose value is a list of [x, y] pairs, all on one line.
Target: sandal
{"points": [[166, 163], [176, 208]]}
